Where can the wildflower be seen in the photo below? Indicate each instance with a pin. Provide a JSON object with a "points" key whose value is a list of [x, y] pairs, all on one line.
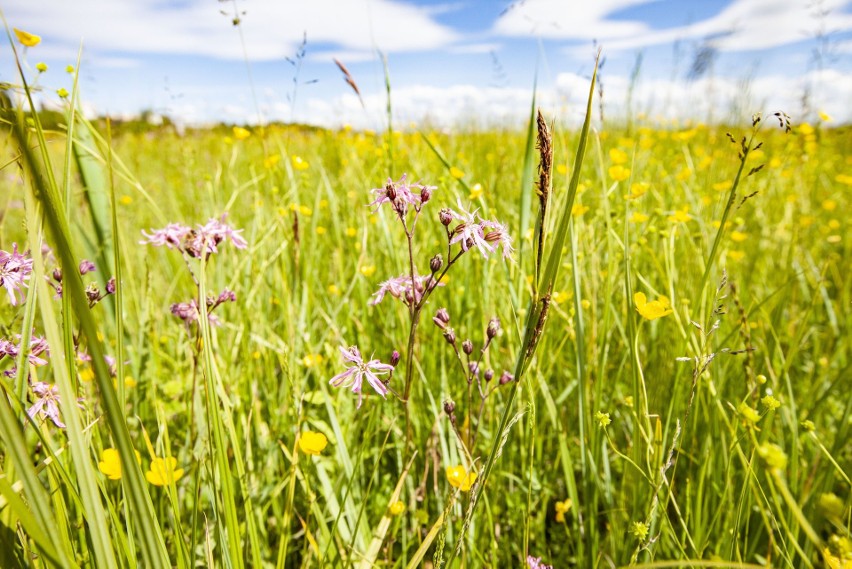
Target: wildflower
{"points": [[618, 156], [459, 478], [205, 239], [738, 236], [312, 443], [681, 215], [41, 67], [640, 530], [456, 173], [358, 370], [15, 270], [47, 403], [299, 163], [38, 346], [27, 39], [748, 413], [831, 505], [110, 463], [475, 192], [469, 232], [367, 270], [505, 378], [163, 471], [400, 195], [535, 563], [654, 309], [639, 217], [497, 235], [773, 455], [824, 117], [603, 419], [808, 425], [62, 92], [637, 190], [241, 133], [396, 508], [770, 402], [619, 173], [271, 161], [86, 267], [311, 360], [69, 68], [579, 209], [403, 288], [562, 508]]}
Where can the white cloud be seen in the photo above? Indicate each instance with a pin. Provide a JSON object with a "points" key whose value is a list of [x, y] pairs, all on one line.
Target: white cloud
{"points": [[742, 25], [272, 28]]}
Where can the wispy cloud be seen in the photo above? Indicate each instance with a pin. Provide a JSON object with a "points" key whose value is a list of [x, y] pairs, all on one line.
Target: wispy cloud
{"points": [[272, 29]]}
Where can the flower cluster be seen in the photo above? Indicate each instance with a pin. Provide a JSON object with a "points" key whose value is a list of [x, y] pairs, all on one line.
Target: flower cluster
{"points": [[47, 403], [189, 312], [205, 239], [403, 288], [359, 369], [401, 195], [536, 563], [38, 346], [93, 294], [474, 231], [15, 270]]}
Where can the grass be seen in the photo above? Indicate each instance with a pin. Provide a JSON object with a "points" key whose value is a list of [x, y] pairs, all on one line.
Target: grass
{"points": [[663, 433]]}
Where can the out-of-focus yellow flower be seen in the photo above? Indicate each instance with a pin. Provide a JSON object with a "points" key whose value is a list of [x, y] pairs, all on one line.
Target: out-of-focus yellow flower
{"points": [[311, 360], [829, 205], [773, 455], [736, 255], [41, 67], [770, 402], [562, 508], [271, 161], [738, 236], [62, 92], [637, 190], [27, 39], [163, 471], [333, 290], [681, 215], [578, 209], [312, 443], [396, 508], [639, 530], [110, 463], [748, 413], [806, 129], [241, 133], [654, 309], [321, 230], [368, 270], [456, 173], [351, 232], [617, 156], [619, 173], [475, 192], [638, 217], [843, 179], [561, 169], [459, 478], [603, 419], [824, 117], [299, 163]]}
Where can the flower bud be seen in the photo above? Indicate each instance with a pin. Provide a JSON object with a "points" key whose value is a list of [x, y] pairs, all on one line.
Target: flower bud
{"points": [[467, 347], [425, 194], [57, 275], [441, 318], [474, 368], [489, 375], [450, 336], [506, 378], [110, 286], [92, 293], [449, 407], [86, 267], [445, 216], [394, 359], [436, 263], [493, 327]]}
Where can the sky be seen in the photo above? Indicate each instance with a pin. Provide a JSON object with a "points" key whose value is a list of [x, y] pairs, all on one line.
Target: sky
{"points": [[453, 63]]}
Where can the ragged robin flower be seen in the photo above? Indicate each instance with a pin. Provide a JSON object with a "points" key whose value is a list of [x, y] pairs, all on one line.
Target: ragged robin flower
{"points": [[15, 271], [358, 369]]}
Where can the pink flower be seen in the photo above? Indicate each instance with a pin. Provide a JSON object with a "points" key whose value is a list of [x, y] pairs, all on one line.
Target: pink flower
{"points": [[359, 369], [535, 563], [47, 403], [469, 232], [205, 239], [171, 236], [401, 195], [15, 270], [498, 235], [401, 287]]}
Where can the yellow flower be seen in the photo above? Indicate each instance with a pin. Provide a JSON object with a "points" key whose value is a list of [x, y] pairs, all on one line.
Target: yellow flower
{"points": [[654, 309], [163, 471], [312, 443], [829, 205], [561, 169], [299, 163], [736, 255], [310, 360], [270, 161], [603, 419], [396, 508], [62, 92], [351, 232], [843, 179], [110, 463], [748, 413], [579, 209], [459, 478], [640, 530], [333, 290], [475, 192], [367, 270], [638, 217], [619, 173], [27, 39], [738, 236], [681, 215], [562, 508], [69, 69], [773, 455], [241, 133], [771, 402], [618, 156], [456, 173], [824, 117], [321, 230], [637, 190], [41, 67]]}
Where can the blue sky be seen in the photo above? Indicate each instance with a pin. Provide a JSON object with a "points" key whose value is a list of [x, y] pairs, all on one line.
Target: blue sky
{"points": [[450, 62]]}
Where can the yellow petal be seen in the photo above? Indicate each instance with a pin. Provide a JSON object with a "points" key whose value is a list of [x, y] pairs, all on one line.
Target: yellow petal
{"points": [[27, 39]]}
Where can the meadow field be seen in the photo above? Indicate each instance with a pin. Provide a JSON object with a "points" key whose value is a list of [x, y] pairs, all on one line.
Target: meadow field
{"points": [[626, 344]]}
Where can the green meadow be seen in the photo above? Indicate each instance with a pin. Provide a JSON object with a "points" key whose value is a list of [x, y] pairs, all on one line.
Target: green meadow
{"points": [[655, 374]]}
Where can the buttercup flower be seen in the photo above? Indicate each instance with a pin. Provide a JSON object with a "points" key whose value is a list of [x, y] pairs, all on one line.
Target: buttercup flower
{"points": [[562, 508], [312, 443], [163, 471], [359, 369], [27, 39], [654, 309], [241, 133], [396, 508], [110, 463], [459, 478]]}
